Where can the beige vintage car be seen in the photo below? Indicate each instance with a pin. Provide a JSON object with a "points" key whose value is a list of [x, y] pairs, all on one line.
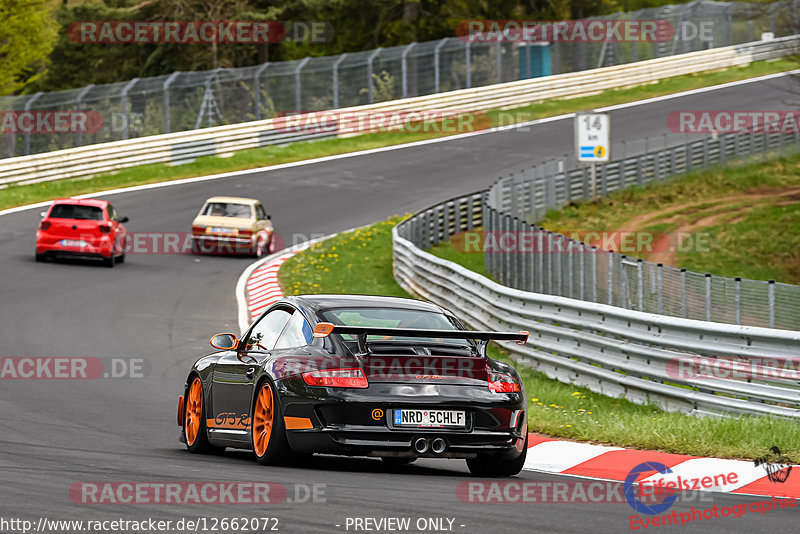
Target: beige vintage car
{"points": [[233, 225]]}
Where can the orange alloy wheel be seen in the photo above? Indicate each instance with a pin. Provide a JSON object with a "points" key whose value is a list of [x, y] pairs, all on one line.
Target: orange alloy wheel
{"points": [[194, 411], [263, 414]]}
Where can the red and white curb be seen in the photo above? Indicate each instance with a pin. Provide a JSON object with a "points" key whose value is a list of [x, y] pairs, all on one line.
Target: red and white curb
{"points": [[585, 460], [568, 458]]}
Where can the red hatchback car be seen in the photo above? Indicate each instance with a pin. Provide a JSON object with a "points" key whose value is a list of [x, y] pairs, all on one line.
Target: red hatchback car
{"points": [[82, 229]]}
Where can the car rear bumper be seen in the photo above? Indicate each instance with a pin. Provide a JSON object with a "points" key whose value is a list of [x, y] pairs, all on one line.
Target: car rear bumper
{"points": [[214, 243], [90, 250]]}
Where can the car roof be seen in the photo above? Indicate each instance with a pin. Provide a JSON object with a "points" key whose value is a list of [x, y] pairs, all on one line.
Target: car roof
{"points": [[234, 200], [82, 202], [322, 302]]}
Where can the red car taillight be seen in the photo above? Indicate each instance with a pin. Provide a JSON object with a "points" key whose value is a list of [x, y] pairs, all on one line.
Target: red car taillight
{"points": [[105, 228], [45, 225], [503, 383], [198, 229], [336, 378]]}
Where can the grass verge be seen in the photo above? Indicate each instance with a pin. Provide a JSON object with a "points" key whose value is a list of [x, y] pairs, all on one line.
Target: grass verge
{"points": [[361, 262], [260, 157]]}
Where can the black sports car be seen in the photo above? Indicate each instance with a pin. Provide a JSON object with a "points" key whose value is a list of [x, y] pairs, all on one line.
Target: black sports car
{"points": [[358, 375]]}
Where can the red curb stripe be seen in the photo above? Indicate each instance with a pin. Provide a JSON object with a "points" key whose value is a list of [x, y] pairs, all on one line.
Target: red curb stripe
{"points": [[615, 465], [536, 439], [763, 486]]}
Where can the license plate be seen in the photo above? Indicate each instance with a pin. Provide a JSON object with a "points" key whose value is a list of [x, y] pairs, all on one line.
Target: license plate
{"points": [[73, 243], [430, 418], [223, 230]]}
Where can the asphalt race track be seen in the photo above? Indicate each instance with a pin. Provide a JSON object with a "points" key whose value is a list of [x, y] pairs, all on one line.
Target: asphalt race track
{"points": [[162, 309]]}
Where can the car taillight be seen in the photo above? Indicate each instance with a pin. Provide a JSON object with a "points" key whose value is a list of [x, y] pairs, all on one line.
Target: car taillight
{"points": [[336, 378], [105, 228], [503, 383], [45, 225], [198, 229], [245, 231]]}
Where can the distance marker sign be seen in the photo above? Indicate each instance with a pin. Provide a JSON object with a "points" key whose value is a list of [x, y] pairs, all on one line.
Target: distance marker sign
{"points": [[593, 136]]}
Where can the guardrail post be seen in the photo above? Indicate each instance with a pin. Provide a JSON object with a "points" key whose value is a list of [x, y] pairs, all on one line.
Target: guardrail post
{"points": [[78, 100], [684, 311], [124, 106], [336, 80], [257, 86], [28, 103], [705, 152], [603, 179], [764, 145], [738, 298], [723, 150], [436, 65], [298, 103], [404, 68], [165, 90], [771, 294]]}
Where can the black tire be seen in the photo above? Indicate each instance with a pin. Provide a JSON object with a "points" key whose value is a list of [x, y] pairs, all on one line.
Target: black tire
{"points": [[41, 258], [497, 466], [121, 259], [200, 445], [110, 261], [277, 450]]}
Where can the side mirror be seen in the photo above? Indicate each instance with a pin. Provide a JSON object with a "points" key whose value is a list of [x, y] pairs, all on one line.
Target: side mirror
{"points": [[224, 341], [124, 220], [268, 217]]}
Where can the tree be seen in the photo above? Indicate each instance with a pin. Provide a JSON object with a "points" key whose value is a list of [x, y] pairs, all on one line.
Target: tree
{"points": [[27, 35]]}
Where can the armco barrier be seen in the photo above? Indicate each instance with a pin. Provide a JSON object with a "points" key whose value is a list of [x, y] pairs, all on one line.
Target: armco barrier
{"points": [[610, 350], [224, 140]]}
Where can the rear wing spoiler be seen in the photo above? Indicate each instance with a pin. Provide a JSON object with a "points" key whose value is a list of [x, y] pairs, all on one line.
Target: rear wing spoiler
{"points": [[361, 333]]}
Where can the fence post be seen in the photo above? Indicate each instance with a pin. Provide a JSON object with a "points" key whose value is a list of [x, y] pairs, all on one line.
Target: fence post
{"points": [[372, 57], [165, 89], [708, 297], [78, 100], [684, 311], [738, 299], [660, 286], [436, 65], [124, 105], [610, 278], [404, 68], [297, 85], [557, 271], [468, 65], [570, 269], [499, 54], [257, 85], [28, 103], [723, 150], [771, 287], [640, 283], [336, 80], [582, 269], [594, 274], [540, 259]]}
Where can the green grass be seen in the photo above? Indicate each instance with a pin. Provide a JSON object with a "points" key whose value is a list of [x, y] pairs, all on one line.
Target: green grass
{"points": [[273, 155], [361, 262], [758, 247]]}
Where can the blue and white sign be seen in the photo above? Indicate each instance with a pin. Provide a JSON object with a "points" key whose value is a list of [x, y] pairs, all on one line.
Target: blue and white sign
{"points": [[593, 136]]}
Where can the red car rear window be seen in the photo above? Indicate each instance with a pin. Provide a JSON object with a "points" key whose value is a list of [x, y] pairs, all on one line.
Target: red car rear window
{"points": [[76, 211]]}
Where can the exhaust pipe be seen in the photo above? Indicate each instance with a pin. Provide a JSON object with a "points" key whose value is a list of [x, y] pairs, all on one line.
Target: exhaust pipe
{"points": [[421, 445], [438, 446]]}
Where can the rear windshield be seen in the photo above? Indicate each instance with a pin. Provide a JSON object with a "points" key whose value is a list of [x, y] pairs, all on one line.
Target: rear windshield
{"points": [[76, 211], [393, 318], [227, 209]]}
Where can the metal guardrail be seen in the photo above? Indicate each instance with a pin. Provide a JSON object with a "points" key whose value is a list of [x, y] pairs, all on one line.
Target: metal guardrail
{"points": [[610, 350], [183, 101], [554, 264], [181, 147]]}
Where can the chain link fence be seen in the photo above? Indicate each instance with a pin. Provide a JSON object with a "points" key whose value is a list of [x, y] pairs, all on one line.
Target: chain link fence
{"points": [[189, 100], [524, 256]]}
